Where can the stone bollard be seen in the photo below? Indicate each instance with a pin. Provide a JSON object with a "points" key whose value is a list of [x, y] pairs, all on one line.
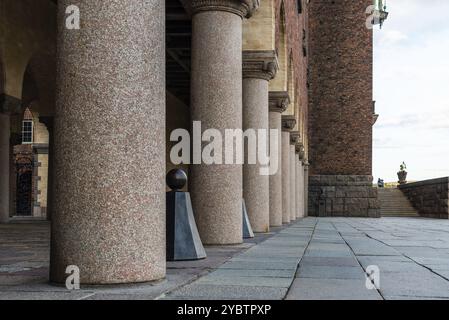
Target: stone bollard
{"points": [[183, 240]]}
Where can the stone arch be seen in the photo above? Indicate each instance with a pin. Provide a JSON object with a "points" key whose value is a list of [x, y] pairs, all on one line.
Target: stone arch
{"points": [[291, 85], [39, 83], [259, 32], [280, 82]]}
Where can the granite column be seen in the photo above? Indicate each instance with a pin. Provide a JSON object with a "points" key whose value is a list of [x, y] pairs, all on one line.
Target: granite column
{"points": [[288, 123], [278, 102], [259, 67], [216, 101], [108, 213]]}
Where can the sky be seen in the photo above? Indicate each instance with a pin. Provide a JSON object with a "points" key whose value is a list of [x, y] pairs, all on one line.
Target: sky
{"points": [[411, 87]]}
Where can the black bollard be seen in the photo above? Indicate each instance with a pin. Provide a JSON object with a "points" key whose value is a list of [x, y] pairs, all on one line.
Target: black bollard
{"points": [[183, 240]]}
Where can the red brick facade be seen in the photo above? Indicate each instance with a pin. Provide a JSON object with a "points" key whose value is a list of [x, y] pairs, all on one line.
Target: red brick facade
{"points": [[296, 22], [340, 93]]}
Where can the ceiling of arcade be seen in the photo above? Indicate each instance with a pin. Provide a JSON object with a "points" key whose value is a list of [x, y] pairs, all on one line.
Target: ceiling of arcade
{"points": [[28, 37]]}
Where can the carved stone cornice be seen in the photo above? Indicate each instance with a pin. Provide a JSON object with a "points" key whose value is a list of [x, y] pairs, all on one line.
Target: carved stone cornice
{"points": [[243, 8], [288, 123], [260, 64], [300, 151], [294, 137], [278, 101]]}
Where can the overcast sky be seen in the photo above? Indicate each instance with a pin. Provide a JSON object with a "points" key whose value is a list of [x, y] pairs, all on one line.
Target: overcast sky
{"points": [[411, 87]]}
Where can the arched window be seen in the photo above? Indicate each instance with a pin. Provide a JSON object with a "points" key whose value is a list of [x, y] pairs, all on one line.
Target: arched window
{"points": [[27, 127]]}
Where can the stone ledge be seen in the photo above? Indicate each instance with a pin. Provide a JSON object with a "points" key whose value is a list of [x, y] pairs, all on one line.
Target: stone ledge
{"points": [[444, 180], [429, 197]]}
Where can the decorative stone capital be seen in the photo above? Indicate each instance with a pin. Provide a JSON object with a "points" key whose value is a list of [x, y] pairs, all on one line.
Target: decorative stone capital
{"points": [[9, 104], [288, 123], [294, 137], [300, 151], [260, 64], [278, 101], [242, 8]]}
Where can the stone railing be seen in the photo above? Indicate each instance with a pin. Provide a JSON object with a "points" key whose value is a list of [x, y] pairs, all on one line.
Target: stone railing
{"points": [[429, 197]]}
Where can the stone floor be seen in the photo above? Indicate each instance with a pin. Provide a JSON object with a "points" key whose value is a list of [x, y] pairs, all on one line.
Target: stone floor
{"points": [[311, 259]]}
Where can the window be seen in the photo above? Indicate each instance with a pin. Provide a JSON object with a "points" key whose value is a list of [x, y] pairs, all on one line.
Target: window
{"points": [[27, 131], [299, 6]]}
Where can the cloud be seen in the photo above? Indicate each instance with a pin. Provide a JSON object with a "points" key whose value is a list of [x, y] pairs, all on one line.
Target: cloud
{"points": [[391, 37], [411, 87]]}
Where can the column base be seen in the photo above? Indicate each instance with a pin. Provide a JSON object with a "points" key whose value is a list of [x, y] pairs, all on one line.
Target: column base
{"points": [[343, 196]]}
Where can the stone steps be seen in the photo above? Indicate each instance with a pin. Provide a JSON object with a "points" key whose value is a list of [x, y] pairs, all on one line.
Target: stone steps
{"points": [[395, 204]]}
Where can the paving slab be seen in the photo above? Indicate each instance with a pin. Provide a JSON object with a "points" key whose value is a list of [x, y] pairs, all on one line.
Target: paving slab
{"points": [[331, 289]]}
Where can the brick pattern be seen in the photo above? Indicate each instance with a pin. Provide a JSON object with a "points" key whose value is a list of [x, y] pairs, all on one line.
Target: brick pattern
{"points": [[340, 93], [296, 28], [343, 196], [430, 197]]}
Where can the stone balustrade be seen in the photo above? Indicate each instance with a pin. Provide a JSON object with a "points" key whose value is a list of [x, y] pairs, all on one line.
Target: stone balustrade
{"points": [[429, 197]]}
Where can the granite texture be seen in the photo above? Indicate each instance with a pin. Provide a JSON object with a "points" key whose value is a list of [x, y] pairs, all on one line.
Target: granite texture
{"points": [[275, 181], [299, 189], [292, 182], [109, 199], [306, 188], [286, 206], [4, 167], [429, 197], [256, 186], [343, 196], [216, 101], [278, 102]]}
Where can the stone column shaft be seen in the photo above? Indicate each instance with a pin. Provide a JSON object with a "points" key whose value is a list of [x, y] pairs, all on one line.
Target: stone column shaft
{"points": [[4, 167], [109, 167], [278, 102], [288, 123], [286, 207], [216, 101], [306, 189], [300, 189], [258, 68], [292, 182]]}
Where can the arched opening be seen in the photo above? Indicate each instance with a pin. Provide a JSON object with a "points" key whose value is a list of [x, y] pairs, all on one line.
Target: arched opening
{"points": [[31, 138], [280, 82], [291, 86], [259, 32]]}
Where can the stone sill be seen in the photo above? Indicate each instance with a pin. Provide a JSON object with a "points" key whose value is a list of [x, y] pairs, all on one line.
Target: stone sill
{"points": [[444, 180]]}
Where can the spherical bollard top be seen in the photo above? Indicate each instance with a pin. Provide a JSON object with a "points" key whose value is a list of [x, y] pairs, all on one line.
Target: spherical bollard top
{"points": [[176, 179]]}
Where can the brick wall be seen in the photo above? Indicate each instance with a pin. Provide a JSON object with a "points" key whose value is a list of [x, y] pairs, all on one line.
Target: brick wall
{"points": [[297, 34], [430, 197], [340, 93]]}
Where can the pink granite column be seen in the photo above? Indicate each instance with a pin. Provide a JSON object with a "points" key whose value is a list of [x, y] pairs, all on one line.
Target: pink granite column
{"points": [[292, 181], [306, 188], [216, 101], [259, 67], [109, 188], [278, 102], [4, 167], [294, 138], [300, 180], [288, 123]]}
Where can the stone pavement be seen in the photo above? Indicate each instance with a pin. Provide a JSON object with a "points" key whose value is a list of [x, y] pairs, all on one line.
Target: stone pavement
{"points": [[315, 258]]}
